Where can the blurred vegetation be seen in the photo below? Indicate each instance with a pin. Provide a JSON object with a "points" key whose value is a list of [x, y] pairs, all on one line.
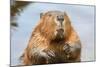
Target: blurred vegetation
{"points": [[16, 8]]}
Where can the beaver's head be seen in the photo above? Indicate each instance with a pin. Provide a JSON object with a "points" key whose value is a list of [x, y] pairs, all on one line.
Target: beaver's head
{"points": [[54, 25]]}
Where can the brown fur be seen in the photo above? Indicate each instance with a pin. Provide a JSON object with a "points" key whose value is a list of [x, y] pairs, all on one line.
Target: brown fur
{"points": [[45, 48]]}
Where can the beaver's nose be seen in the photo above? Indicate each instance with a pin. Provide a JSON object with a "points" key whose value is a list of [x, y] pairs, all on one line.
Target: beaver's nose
{"points": [[60, 18]]}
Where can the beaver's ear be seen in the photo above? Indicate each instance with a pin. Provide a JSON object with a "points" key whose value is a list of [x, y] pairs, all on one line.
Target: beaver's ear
{"points": [[41, 14], [65, 13]]}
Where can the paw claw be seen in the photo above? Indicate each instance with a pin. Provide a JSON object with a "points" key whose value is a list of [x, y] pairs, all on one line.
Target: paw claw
{"points": [[66, 48]]}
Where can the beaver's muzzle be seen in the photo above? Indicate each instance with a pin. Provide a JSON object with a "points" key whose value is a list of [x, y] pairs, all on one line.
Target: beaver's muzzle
{"points": [[60, 33]]}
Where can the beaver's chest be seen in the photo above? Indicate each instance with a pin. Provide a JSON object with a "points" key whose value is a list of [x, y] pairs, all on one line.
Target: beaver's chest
{"points": [[56, 53]]}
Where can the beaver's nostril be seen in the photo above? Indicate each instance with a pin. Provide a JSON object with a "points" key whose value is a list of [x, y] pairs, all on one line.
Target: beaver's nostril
{"points": [[60, 18]]}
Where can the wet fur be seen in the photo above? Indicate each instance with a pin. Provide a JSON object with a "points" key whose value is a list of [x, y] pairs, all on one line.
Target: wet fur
{"points": [[45, 48]]}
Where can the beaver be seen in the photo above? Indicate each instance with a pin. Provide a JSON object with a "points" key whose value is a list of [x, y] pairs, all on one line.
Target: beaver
{"points": [[52, 41]]}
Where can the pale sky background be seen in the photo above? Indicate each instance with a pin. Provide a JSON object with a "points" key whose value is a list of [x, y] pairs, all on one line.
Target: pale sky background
{"points": [[82, 18]]}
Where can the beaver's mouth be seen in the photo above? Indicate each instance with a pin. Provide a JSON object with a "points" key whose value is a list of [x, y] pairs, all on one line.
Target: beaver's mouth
{"points": [[59, 34]]}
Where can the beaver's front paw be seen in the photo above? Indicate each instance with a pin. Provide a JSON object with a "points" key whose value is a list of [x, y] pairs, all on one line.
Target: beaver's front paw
{"points": [[66, 48], [50, 53]]}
